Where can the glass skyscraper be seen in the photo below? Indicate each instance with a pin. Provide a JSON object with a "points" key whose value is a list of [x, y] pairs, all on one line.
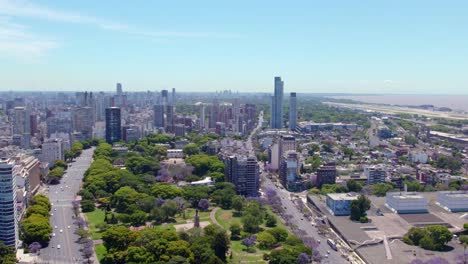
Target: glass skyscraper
{"points": [[276, 118]]}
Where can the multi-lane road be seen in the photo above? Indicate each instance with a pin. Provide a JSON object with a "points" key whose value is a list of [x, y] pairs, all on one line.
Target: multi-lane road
{"points": [[298, 218], [61, 219]]}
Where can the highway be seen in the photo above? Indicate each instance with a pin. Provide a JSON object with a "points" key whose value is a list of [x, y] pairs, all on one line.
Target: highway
{"points": [[61, 197], [290, 208]]}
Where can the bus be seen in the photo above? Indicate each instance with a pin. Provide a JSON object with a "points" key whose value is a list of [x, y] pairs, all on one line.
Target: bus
{"points": [[332, 244]]}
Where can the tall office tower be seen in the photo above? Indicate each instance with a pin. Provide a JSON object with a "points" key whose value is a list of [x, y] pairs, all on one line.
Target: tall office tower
{"points": [[243, 172], [292, 112], [289, 168], [113, 125], [103, 101], [214, 114], [84, 121], [8, 209], [33, 123], [164, 97], [202, 116], [276, 119], [158, 111], [119, 89], [173, 96], [170, 118], [21, 121]]}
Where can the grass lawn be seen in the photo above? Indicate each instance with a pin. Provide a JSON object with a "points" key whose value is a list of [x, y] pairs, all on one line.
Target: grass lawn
{"points": [[241, 256], [226, 219], [100, 251], [190, 214], [94, 218]]}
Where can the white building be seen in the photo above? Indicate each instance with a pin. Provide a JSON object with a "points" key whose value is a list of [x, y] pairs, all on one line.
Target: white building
{"points": [[406, 202], [175, 153], [53, 150], [375, 174], [453, 201], [418, 157], [207, 181]]}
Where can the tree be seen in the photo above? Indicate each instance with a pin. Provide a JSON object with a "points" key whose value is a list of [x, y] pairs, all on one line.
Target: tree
{"points": [[353, 186], [61, 164], [249, 242], [237, 203], [191, 149], [431, 237], [303, 258], [380, 189], [124, 199], [221, 245], [359, 207], [35, 228], [203, 204], [349, 152], [166, 191], [138, 218], [270, 220], [87, 206], [118, 238], [265, 240], [7, 254], [37, 209], [279, 233], [282, 256], [235, 230]]}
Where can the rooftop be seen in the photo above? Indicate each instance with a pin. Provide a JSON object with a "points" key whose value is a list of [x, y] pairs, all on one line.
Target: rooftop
{"points": [[343, 196]]}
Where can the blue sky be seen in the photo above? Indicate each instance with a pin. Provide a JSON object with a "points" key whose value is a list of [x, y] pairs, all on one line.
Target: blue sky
{"points": [[316, 46]]}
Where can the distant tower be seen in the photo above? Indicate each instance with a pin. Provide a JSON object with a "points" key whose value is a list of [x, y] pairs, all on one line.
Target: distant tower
{"points": [[202, 116], [292, 112], [8, 208], [173, 96], [276, 118], [196, 221], [119, 89], [113, 125], [158, 111], [164, 97]]}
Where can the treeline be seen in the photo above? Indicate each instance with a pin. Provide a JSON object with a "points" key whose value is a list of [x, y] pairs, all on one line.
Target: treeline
{"points": [[35, 226]]}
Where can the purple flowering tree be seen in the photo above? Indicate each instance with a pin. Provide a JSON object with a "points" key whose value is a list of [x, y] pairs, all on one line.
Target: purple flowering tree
{"points": [[203, 204], [249, 241], [461, 258], [35, 247], [303, 258]]}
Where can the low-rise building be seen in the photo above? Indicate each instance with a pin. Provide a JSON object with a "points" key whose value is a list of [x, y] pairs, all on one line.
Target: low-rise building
{"points": [[175, 153], [375, 174], [340, 203], [406, 202], [453, 201]]}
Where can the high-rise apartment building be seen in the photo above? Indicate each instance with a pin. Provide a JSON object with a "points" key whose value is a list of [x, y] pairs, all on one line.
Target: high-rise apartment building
{"points": [[113, 125], [292, 111], [243, 172], [276, 118], [289, 168], [8, 210], [165, 97], [202, 116], [326, 175], [84, 121], [119, 89], [173, 96]]}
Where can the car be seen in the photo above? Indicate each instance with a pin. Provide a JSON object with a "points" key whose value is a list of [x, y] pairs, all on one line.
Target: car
{"points": [[53, 234], [51, 214], [55, 227], [61, 230], [328, 251], [302, 219], [58, 246], [68, 227], [52, 246], [55, 209]]}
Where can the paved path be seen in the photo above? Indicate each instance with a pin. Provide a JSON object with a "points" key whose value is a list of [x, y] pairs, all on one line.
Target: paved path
{"points": [[213, 216]]}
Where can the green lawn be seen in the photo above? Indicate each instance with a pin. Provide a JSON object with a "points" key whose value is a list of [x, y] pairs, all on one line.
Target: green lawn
{"points": [[225, 218], [100, 251], [241, 256], [94, 218]]}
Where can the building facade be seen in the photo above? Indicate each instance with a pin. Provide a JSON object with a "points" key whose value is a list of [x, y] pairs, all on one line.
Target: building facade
{"points": [[375, 174], [326, 175], [292, 124], [8, 209], [113, 125], [243, 172], [340, 203], [276, 113]]}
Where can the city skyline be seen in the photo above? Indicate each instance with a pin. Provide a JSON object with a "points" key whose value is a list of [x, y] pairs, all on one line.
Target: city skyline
{"points": [[400, 47]]}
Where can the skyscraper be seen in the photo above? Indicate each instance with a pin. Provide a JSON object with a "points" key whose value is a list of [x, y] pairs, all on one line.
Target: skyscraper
{"points": [[113, 125], [292, 111], [173, 96], [158, 111], [164, 97], [202, 116], [276, 118], [119, 89], [8, 208]]}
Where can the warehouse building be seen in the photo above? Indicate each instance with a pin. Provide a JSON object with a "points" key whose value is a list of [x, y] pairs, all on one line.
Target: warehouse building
{"points": [[406, 202], [453, 201], [340, 203]]}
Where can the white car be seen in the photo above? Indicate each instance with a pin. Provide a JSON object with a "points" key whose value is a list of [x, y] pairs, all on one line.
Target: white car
{"points": [[61, 230], [55, 209], [58, 246], [53, 234], [68, 227], [55, 227]]}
